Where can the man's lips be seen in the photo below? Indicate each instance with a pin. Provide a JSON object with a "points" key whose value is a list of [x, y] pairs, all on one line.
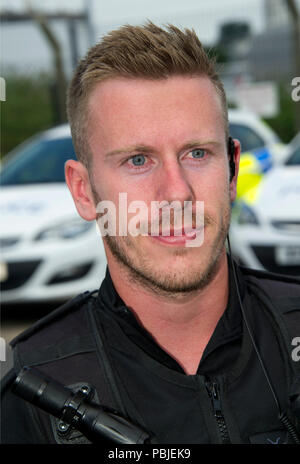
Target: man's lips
{"points": [[182, 232], [179, 236]]}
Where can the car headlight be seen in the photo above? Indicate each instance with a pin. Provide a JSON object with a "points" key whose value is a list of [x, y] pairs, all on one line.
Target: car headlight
{"points": [[65, 230], [247, 216]]}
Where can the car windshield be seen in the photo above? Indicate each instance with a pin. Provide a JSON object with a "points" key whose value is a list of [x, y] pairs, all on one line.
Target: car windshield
{"points": [[248, 138], [39, 161], [294, 160]]}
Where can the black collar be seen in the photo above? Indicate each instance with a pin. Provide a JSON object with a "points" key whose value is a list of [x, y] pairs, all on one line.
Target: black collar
{"points": [[222, 348]]}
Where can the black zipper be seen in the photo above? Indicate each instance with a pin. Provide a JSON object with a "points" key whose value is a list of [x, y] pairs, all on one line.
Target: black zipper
{"points": [[213, 390]]}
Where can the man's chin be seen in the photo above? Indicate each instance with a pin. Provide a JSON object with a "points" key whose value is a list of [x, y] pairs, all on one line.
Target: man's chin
{"points": [[178, 272]]}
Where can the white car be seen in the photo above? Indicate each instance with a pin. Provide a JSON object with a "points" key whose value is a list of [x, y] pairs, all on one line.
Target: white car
{"points": [[265, 228], [256, 137], [47, 251]]}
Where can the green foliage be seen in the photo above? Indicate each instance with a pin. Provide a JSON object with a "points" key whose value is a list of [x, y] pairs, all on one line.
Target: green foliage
{"points": [[284, 123], [217, 52], [27, 110]]}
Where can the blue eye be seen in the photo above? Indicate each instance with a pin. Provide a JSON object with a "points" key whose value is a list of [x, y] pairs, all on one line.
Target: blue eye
{"points": [[138, 160], [198, 153]]}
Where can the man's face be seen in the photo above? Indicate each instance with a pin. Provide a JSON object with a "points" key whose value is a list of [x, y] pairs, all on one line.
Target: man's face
{"points": [[162, 140]]}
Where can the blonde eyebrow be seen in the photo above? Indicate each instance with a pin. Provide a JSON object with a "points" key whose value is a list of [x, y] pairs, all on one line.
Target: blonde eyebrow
{"points": [[199, 143], [148, 149], [137, 148]]}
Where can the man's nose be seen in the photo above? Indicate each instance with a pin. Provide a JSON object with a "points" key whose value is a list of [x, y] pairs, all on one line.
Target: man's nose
{"points": [[173, 183]]}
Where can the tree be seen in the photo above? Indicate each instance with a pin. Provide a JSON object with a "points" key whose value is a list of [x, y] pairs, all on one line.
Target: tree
{"points": [[295, 20], [60, 80]]}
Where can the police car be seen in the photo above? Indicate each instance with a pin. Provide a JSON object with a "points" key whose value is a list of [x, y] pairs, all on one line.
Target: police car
{"points": [[260, 146], [47, 251], [256, 137], [265, 227]]}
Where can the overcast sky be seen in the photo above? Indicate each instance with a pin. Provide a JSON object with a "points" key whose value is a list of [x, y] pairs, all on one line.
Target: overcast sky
{"points": [[205, 15], [22, 43]]}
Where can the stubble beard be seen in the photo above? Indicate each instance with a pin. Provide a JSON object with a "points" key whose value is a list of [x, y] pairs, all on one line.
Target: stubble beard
{"points": [[142, 270]]}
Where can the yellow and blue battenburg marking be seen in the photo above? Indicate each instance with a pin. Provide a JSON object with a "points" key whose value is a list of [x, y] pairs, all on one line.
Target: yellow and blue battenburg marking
{"points": [[253, 166]]}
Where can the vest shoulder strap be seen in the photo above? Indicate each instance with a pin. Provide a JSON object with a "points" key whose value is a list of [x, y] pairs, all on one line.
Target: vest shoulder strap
{"points": [[68, 307], [66, 347], [280, 295]]}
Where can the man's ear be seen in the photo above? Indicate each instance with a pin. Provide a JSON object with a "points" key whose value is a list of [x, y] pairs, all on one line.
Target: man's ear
{"points": [[236, 159], [78, 181]]}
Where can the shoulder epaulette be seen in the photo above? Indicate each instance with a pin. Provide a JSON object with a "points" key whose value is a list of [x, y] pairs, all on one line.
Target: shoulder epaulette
{"points": [[269, 275], [280, 295], [62, 310]]}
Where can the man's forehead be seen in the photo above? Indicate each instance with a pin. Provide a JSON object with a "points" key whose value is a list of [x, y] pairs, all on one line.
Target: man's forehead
{"points": [[120, 108], [130, 88]]}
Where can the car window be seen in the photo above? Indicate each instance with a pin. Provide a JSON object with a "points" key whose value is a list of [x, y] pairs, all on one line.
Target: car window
{"points": [[249, 139], [41, 161], [294, 159]]}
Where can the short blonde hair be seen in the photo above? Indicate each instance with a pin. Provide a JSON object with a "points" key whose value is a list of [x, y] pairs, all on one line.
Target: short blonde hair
{"points": [[147, 52]]}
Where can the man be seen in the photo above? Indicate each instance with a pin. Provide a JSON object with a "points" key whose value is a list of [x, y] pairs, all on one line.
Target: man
{"points": [[178, 338]]}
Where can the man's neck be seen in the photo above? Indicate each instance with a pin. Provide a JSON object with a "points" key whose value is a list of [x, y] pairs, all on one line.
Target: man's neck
{"points": [[182, 326]]}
